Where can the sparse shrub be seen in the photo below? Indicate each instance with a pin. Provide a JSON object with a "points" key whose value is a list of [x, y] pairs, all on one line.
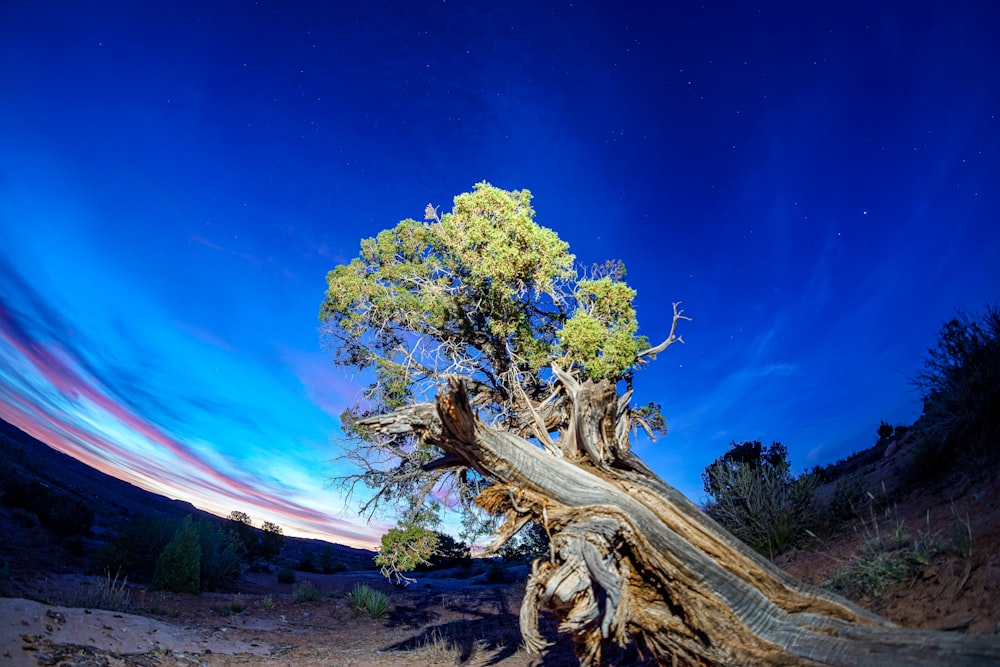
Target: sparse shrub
{"points": [[306, 592], [885, 431], [960, 388], [110, 593], [848, 497], [757, 499], [178, 569], [887, 556], [449, 552], [373, 603], [327, 564], [239, 524], [267, 603], [306, 563], [335, 568], [286, 575]]}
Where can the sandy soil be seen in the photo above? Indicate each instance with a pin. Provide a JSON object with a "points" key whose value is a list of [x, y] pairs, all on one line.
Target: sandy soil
{"points": [[438, 621]]}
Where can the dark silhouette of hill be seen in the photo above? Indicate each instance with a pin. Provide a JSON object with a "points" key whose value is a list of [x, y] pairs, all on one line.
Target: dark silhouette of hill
{"points": [[24, 458], [56, 511]]}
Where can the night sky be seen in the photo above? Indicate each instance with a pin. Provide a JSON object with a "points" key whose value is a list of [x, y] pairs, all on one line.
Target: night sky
{"points": [[816, 182]]}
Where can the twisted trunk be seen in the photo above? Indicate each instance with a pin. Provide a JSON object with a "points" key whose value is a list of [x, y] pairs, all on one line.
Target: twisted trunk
{"points": [[635, 564]]}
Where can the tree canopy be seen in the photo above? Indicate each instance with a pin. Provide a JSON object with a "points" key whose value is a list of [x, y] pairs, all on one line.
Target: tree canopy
{"points": [[487, 294]]}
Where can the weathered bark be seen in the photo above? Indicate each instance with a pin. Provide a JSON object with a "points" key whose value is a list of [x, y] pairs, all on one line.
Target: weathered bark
{"points": [[635, 564]]}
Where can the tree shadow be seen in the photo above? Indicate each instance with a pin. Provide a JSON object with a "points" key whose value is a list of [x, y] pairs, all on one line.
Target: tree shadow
{"points": [[488, 627]]}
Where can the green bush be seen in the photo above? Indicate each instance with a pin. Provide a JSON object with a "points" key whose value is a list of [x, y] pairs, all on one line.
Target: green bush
{"points": [[178, 569], [887, 556], [369, 601], [220, 557], [529, 542], [286, 575], [405, 548], [306, 592], [136, 548], [272, 540], [757, 499], [960, 389]]}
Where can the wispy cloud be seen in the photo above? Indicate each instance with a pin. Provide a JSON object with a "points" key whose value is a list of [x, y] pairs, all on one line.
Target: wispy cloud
{"points": [[78, 412]]}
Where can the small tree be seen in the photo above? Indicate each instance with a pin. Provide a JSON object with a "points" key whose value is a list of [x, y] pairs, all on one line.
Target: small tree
{"points": [[412, 543], [530, 542], [178, 569], [403, 549], [220, 557], [272, 540], [449, 552], [960, 387], [755, 496], [241, 526]]}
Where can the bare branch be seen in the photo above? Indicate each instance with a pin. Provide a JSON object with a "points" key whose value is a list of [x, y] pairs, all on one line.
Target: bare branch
{"points": [[671, 337]]}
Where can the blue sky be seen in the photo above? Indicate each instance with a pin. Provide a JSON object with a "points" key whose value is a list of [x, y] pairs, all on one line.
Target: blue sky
{"points": [[816, 183]]}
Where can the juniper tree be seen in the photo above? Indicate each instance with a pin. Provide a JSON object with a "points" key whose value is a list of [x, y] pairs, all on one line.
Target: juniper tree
{"points": [[503, 374]]}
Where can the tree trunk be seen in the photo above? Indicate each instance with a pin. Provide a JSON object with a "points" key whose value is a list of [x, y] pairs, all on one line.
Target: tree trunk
{"points": [[635, 566]]}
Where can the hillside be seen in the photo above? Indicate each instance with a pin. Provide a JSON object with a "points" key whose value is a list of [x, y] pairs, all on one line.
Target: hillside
{"points": [[56, 483]]}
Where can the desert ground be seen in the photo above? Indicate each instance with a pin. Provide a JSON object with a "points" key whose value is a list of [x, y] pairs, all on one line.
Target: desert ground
{"points": [[49, 615]]}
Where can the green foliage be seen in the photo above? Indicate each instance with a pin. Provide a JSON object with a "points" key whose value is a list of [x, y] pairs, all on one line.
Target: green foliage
{"points": [[530, 542], [272, 540], [220, 557], [887, 556], [265, 543], [600, 337], [960, 388], [178, 569], [240, 525], [757, 499], [449, 552], [369, 601], [306, 592], [482, 291], [403, 549], [286, 575], [137, 546]]}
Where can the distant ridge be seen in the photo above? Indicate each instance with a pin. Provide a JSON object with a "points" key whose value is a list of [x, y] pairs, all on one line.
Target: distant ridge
{"points": [[113, 501]]}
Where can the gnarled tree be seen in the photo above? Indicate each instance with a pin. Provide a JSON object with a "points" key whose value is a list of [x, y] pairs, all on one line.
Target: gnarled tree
{"points": [[502, 375]]}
